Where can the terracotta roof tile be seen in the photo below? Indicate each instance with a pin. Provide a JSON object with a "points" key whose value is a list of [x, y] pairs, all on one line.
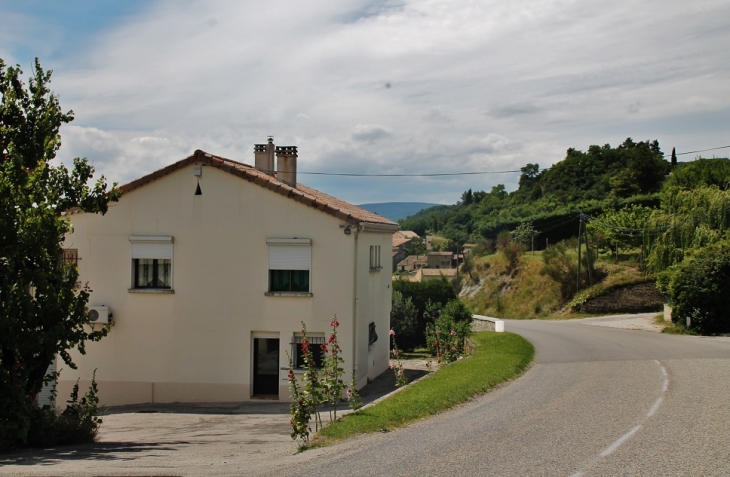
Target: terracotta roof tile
{"points": [[306, 195]]}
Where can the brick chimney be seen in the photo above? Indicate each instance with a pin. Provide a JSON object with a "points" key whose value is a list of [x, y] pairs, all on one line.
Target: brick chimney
{"points": [[286, 165], [264, 154]]}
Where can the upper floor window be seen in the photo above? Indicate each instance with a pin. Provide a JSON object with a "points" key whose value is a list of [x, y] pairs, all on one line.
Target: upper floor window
{"points": [[290, 262], [151, 262], [375, 257]]}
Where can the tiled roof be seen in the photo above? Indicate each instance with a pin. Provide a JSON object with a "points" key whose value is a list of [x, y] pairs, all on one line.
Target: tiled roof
{"points": [[409, 234], [303, 194], [434, 272], [399, 240]]}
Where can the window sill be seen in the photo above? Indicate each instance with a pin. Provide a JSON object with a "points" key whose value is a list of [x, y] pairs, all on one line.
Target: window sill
{"points": [[159, 291], [375, 269], [305, 294]]}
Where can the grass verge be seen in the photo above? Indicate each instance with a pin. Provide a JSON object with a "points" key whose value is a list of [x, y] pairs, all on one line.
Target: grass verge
{"points": [[497, 357]]}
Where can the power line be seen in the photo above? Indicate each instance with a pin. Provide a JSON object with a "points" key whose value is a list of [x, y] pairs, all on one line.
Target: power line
{"points": [[443, 174], [407, 175], [701, 150]]}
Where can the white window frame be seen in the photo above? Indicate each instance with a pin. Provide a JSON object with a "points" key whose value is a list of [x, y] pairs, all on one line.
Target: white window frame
{"points": [[155, 247], [292, 254], [315, 340]]}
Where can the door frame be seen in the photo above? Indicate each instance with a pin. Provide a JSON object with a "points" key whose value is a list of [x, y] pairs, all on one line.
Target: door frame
{"points": [[252, 369]]}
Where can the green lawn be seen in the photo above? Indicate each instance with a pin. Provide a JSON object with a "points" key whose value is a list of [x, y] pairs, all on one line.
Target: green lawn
{"points": [[497, 357]]}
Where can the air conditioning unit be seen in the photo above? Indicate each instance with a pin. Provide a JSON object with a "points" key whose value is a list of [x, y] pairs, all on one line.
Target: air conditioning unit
{"points": [[99, 314]]}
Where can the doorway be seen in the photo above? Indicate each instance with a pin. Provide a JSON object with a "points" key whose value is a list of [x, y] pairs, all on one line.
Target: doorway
{"points": [[266, 367]]}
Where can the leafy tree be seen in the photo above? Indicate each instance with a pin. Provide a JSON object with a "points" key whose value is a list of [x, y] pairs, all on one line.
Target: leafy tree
{"points": [[403, 320], [701, 172], [41, 312], [467, 197], [457, 311], [426, 297], [623, 227], [585, 181], [689, 219], [699, 287], [418, 246], [524, 233]]}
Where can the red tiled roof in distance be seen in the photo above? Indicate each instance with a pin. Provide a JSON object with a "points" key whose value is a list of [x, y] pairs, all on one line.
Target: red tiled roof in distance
{"points": [[303, 194]]}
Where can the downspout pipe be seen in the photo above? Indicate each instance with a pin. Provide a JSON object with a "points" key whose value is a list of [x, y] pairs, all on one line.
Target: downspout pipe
{"points": [[354, 305]]}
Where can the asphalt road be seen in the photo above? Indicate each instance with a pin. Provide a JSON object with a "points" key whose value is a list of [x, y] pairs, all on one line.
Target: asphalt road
{"points": [[598, 401]]}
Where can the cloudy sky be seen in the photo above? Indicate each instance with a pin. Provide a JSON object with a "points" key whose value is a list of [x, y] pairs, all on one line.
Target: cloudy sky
{"points": [[378, 87]]}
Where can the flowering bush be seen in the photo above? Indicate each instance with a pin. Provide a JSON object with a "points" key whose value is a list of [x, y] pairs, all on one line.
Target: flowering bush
{"points": [[446, 339], [298, 408], [332, 373], [397, 365], [320, 386], [353, 397]]}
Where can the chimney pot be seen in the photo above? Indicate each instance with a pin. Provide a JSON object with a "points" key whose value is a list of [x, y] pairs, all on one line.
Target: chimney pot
{"points": [[264, 156], [286, 165]]}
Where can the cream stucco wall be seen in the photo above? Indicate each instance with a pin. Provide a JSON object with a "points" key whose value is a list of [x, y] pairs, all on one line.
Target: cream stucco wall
{"points": [[196, 344]]}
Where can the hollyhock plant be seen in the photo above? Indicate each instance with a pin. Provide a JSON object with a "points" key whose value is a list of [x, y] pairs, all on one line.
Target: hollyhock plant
{"points": [[397, 366]]}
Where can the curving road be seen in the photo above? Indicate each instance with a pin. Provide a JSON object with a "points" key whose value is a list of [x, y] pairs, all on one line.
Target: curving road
{"points": [[597, 402]]}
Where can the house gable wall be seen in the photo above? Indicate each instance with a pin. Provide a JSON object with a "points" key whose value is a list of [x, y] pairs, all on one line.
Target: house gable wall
{"points": [[195, 344]]}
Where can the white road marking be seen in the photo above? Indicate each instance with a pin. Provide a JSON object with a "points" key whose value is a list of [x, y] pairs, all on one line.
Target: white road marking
{"points": [[620, 441]]}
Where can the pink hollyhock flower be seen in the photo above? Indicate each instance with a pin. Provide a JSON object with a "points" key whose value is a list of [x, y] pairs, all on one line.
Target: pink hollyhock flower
{"points": [[392, 366], [392, 333], [453, 332]]}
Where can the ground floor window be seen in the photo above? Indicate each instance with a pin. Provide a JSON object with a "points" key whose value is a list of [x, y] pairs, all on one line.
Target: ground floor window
{"points": [[315, 344]]}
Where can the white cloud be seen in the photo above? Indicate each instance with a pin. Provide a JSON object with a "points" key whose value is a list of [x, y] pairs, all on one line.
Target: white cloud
{"points": [[408, 86]]}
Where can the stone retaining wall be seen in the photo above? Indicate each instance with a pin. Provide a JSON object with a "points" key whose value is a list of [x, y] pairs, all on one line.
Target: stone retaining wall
{"points": [[642, 297]]}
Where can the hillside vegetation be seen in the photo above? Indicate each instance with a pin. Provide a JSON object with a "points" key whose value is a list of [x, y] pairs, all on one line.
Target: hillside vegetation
{"points": [[602, 177], [597, 222]]}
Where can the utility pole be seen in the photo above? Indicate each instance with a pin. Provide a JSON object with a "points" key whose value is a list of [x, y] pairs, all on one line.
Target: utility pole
{"points": [[580, 229], [588, 256]]}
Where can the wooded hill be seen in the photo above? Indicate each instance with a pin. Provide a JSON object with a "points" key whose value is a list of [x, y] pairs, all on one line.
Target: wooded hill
{"points": [[601, 178]]}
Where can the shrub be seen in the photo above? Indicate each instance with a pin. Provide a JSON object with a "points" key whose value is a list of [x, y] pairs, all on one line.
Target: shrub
{"points": [[511, 249], [457, 312], [403, 320], [561, 268], [446, 337], [437, 292], [698, 288], [77, 424]]}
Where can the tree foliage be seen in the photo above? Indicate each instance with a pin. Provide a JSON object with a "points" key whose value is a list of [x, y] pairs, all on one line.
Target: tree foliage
{"points": [[41, 311], [427, 298], [691, 219], [600, 178], [698, 288]]}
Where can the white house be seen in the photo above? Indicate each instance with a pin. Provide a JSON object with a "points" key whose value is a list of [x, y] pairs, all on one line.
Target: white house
{"points": [[205, 270]]}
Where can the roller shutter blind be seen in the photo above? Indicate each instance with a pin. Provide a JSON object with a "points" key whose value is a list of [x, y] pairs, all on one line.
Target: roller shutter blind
{"points": [[151, 247], [290, 256]]}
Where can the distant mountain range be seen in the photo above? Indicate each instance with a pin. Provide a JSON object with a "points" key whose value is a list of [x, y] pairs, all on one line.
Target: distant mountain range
{"points": [[397, 210]]}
